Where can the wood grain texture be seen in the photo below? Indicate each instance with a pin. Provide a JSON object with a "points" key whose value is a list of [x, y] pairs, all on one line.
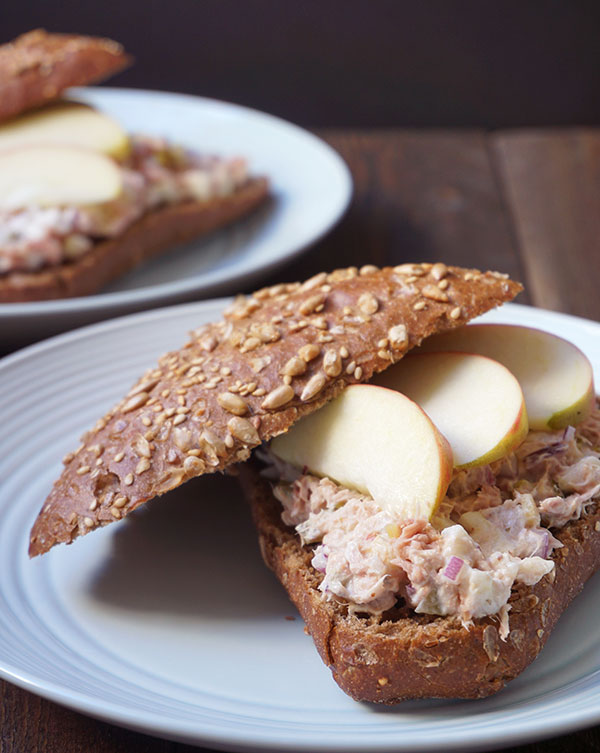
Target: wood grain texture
{"points": [[442, 195], [418, 196], [551, 180], [29, 724]]}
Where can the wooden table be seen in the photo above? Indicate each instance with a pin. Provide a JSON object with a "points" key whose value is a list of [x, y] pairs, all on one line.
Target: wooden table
{"points": [[524, 202]]}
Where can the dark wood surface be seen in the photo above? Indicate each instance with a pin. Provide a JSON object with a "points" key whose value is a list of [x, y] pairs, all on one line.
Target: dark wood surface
{"points": [[354, 63], [525, 202]]}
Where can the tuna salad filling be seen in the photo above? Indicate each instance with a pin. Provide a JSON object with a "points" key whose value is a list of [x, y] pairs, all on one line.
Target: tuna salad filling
{"points": [[492, 530], [155, 174]]}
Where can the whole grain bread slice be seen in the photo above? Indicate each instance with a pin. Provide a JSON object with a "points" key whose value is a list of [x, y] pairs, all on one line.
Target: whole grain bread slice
{"points": [[156, 232], [276, 356], [404, 655], [37, 67]]}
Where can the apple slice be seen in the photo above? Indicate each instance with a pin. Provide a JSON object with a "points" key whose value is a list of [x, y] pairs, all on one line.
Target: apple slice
{"points": [[57, 176], [69, 124], [556, 377], [378, 442], [474, 401]]}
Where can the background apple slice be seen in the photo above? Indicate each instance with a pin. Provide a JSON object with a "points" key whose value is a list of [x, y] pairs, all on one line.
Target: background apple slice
{"points": [[556, 377], [378, 442], [68, 124], [474, 401], [57, 176]]}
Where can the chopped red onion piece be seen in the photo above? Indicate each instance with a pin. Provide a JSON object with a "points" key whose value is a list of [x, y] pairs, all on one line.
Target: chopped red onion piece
{"points": [[554, 448], [319, 560], [544, 545], [453, 568]]}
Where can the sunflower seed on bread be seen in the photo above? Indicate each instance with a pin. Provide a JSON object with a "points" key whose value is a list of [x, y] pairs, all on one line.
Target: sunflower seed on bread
{"points": [[176, 422]]}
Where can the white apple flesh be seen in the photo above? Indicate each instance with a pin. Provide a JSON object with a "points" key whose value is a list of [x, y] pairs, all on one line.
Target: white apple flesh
{"points": [[67, 124], [556, 377], [50, 176], [378, 442], [474, 401]]}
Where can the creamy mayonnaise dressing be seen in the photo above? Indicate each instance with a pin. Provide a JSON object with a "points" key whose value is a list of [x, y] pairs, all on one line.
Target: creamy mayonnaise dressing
{"points": [[491, 531]]}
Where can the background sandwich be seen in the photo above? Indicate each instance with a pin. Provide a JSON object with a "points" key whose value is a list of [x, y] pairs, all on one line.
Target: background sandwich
{"points": [[81, 201]]}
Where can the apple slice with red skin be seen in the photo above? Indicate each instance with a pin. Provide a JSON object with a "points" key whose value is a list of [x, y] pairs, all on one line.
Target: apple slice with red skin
{"points": [[378, 442], [474, 401], [557, 379]]}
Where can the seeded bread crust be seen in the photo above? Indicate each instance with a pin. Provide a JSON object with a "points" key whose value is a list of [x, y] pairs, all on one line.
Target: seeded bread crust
{"points": [[36, 67], [404, 655], [155, 233], [276, 356]]}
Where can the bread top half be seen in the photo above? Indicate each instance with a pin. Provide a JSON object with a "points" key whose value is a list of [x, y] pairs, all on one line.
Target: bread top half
{"points": [[37, 67], [276, 356]]}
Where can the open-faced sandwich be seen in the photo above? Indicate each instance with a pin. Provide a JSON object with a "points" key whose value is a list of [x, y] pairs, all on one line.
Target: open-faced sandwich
{"points": [[428, 531], [82, 201]]}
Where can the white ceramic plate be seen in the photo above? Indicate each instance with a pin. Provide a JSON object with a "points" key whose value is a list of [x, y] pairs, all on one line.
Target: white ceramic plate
{"points": [[169, 622], [311, 188]]}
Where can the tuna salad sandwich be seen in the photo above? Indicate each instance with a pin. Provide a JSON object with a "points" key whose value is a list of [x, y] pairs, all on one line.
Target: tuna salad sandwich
{"points": [[82, 201], [430, 516]]}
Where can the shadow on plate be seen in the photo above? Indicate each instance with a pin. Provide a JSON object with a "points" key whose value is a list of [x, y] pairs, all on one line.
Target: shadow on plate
{"points": [[192, 552]]}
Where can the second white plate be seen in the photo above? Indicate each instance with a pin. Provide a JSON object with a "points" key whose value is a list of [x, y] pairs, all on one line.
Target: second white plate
{"points": [[311, 187], [168, 622]]}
